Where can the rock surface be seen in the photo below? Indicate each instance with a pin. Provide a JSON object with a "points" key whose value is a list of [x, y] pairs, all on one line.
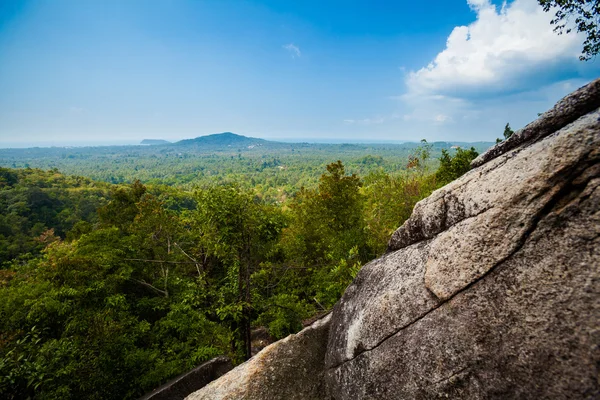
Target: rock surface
{"points": [[292, 368], [184, 384], [491, 289]]}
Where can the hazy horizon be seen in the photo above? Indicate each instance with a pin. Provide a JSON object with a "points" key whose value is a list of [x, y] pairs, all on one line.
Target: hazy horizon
{"points": [[103, 143]]}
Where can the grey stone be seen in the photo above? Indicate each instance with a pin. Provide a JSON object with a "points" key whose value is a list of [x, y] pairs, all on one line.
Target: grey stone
{"points": [[292, 368], [191, 381], [529, 329], [511, 180], [386, 295], [491, 289]]}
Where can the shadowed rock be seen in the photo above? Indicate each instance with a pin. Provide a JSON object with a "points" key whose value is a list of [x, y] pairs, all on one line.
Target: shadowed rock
{"points": [[289, 369], [191, 381]]}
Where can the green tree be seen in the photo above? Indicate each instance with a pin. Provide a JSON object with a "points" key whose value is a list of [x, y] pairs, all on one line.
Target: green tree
{"points": [[328, 221], [8, 177], [110, 314], [453, 166], [587, 16], [508, 132], [122, 209], [236, 231], [390, 199], [420, 156], [327, 234]]}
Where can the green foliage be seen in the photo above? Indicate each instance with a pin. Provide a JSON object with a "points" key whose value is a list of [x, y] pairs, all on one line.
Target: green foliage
{"points": [[37, 207], [110, 304], [22, 367], [236, 233], [274, 171], [418, 159], [8, 178], [111, 326], [331, 280], [390, 199], [586, 13], [283, 314], [508, 132], [327, 222], [454, 166], [323, 248], [123, 208]]}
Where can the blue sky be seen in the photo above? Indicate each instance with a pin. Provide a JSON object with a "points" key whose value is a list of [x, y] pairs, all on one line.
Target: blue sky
{"points": [[116, 71]]}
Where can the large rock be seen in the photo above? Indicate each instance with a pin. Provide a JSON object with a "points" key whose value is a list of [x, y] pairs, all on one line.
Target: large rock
{"points": [[491, 289], [292, 368]]}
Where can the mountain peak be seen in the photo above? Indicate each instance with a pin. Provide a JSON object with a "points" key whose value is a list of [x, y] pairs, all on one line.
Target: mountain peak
{"points": [[221, 139], [153, 142]]}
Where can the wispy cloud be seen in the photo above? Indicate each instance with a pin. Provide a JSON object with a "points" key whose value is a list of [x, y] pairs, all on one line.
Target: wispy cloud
{"points": [[293, 50], [371, 121], [365, 121], [442, 119]]}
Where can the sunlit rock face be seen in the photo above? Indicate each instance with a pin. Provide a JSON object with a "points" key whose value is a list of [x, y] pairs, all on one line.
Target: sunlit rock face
{"points": [[490, 290], [292, 368]]}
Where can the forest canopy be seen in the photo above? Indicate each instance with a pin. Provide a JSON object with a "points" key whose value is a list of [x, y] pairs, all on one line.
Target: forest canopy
{"points": [[109, 290]]}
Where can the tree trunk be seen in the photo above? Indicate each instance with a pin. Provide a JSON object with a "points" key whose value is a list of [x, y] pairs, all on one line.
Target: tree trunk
{"points": [[246, 323], [247, 330]]}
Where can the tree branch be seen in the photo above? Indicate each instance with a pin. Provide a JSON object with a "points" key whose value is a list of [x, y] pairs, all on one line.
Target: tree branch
{"points": [[149, 286], [190, 257]]}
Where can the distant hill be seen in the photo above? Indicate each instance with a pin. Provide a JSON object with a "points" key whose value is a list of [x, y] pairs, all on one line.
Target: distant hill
{"points": [[224, 139], [154, 141], [222, 156]]}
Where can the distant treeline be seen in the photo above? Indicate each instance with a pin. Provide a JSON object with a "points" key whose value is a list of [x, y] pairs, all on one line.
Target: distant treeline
{"points": [[274, 170]]}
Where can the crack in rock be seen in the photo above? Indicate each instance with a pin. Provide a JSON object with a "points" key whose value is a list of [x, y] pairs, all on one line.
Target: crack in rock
{"points": [[544, 211]]}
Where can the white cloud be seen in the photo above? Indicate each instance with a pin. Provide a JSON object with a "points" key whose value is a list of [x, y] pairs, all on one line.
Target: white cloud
{"points": [[378, 120], [506, 66], [365, 121], [442, 119], [293, 49], [508, 49]]}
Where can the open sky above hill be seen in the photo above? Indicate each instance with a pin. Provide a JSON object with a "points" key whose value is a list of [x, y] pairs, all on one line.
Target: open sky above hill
{"points": [[112, 71]]}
